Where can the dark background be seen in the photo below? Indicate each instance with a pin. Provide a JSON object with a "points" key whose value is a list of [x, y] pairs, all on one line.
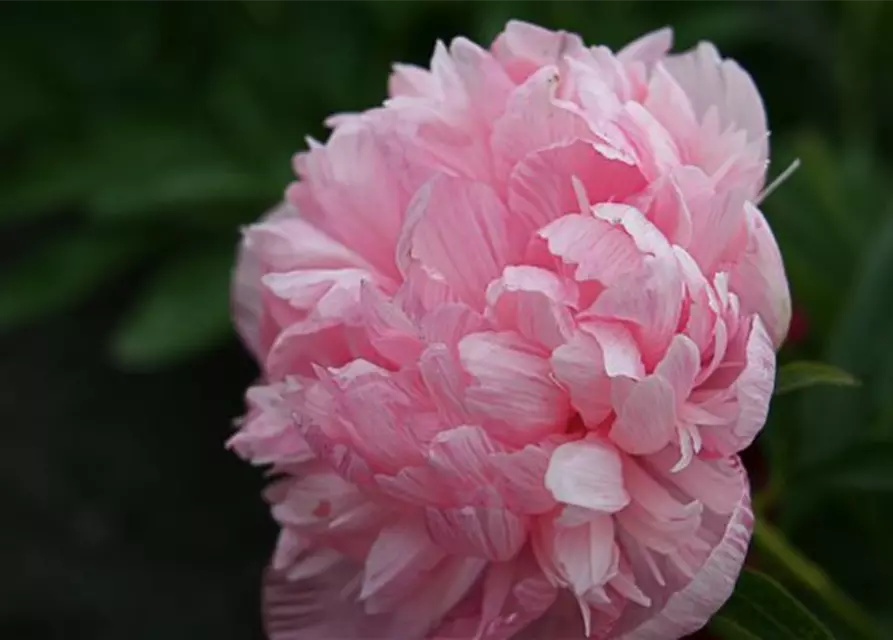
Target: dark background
{"points": [[135, 138]]}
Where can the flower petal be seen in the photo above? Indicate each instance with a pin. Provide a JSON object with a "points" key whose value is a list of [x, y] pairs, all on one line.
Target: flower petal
{"points": [[759, 278], [457, 231], [645, 415], [492, 533], [711, 81], [541, 189], [534, 302], [587, 473], [690, 608], [512, 385]]}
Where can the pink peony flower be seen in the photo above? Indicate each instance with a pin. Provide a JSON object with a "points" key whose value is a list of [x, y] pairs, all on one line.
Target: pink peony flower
{"points": [[514, 327]]}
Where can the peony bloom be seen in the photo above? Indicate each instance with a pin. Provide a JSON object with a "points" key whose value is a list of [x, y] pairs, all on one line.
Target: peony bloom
{"points": [[514, 327]]}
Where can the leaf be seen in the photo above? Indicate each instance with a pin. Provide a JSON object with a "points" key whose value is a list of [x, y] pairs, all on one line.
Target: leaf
{"points": [[862, 344], [774, 548], [153, 168], [63, 271], [803, 374], [184, 310], [762, 608]]}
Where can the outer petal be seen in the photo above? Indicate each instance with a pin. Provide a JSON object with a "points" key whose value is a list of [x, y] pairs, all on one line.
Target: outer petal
{"points": [[349, 191], [282, 241], [689, 609], [711, 81], [649, 48], [398, 563], [316, 607], [523, 48], [759, 278], [268, 433], [534, 120]]}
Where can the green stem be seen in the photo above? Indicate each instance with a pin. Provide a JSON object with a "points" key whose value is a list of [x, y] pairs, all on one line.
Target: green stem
{"points": [[773, 544]]}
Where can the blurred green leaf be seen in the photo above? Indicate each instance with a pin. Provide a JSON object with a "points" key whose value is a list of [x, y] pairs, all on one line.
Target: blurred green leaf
{"points": [[801, 375], [728, 629], [761, 608], [775, 549], [152, 168], [184, 309], [867, 466], [63, 271], [862, 344]]}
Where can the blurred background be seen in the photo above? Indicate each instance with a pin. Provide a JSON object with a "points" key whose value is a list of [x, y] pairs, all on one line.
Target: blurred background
{"points": [[137, 137]]}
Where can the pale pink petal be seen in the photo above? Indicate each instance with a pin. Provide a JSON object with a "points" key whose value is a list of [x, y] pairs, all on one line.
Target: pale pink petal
{"points": [[753, 389], [670, 105], [281, 242], [423, 291], [680, 367], [512, 385], [689, 609], [655, 149], [458, 231], [619, 349], [483, 79], [534, 302], [412, 81], [648, 48], [714, 483], [463, 453], [348, 191], [519, 477], [673, 200], [579, 366], [398, 563], [523, 48], [450, 322], [534, 119], [645, 417], [655, 517], [759, 278], [596, 248], [443, 589], [541, 189], [269, 433], [391, 332], [650, 300], [718, 232], [711, 81], [317, 607], [492, 533], [320, 339], [587, 473], [582, 558]]}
